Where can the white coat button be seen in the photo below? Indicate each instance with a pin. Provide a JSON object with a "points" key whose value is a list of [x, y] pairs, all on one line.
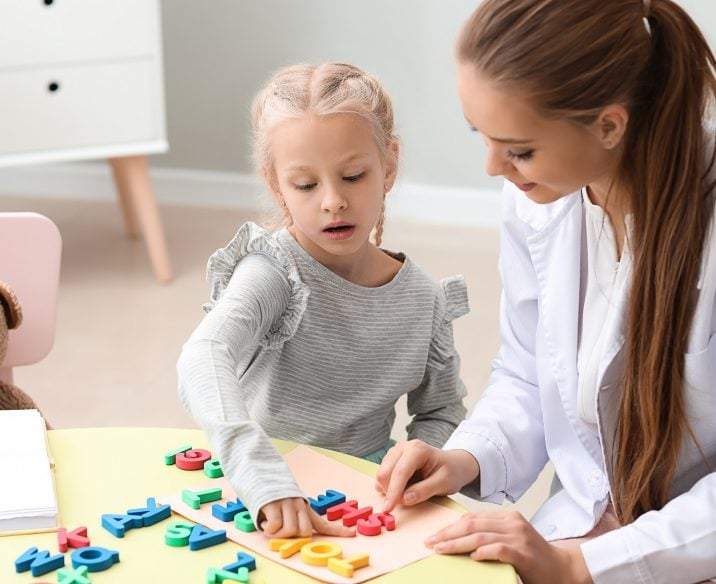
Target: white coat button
{"points": [[596, 478]]}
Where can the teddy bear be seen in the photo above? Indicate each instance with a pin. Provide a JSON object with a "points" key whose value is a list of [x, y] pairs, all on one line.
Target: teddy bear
{"points": [[11, 396]]}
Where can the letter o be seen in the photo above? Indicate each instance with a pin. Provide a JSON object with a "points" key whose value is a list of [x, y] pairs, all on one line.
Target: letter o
{"points": [[317, 553]]}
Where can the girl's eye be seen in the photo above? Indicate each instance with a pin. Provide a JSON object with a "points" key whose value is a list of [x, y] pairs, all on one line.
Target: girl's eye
{"points": [[354, 178], [521, 156], [305, 187]]}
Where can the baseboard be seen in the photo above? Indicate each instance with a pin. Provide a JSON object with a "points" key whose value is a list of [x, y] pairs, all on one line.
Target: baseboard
{"points": [[412, 202]]}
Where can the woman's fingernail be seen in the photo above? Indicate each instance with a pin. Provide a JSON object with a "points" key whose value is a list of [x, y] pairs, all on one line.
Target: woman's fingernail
{"points": [[386, 505], [439, 547], [430, 541], [410, 497]]}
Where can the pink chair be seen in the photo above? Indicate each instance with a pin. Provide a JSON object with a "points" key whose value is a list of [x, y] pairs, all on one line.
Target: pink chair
{"points": [[30, 252]]}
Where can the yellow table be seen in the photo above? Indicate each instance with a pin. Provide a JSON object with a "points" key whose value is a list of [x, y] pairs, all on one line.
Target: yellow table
{"points": [[110, 470]]}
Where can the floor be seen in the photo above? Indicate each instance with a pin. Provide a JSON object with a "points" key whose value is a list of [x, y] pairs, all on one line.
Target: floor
{"points": [[119, 333]]}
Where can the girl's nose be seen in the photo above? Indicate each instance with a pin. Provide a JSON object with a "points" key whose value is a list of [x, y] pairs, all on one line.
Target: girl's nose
{"points": [[333, 201]]}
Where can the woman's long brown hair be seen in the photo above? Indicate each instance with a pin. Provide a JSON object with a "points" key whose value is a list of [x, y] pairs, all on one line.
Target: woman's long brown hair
{"points": [[572, 58]]}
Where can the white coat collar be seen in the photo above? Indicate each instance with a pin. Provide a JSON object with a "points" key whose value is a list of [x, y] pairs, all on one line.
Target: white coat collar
{"points": [[555, 247], [556, 250], [540, 216]]}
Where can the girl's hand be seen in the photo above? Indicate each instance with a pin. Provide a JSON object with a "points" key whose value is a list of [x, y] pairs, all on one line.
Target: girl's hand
{"points": [[509, 537], [294, 517], [426, 470]]}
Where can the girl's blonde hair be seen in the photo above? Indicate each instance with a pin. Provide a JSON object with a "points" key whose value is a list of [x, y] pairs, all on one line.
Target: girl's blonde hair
{"points": [[571, 58], [321, 90]]}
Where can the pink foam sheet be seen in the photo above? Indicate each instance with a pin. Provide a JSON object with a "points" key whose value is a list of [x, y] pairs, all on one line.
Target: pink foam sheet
{"points": [[315, 473]]}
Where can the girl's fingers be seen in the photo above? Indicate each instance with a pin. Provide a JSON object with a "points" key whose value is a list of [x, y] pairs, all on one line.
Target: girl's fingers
{"points": [[335, 528], [274, 521], [289, 521], [305, 527]]}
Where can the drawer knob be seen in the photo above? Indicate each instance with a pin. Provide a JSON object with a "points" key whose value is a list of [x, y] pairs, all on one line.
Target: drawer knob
{"points": [[53, 86], [49, 2]]}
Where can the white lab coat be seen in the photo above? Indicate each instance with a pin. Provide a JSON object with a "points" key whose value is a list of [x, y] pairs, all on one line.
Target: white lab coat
{"points": [[528, 413]]}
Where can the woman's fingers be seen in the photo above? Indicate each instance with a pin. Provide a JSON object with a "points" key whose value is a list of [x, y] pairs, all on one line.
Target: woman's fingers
{"points": [[508, 537], [455, 530], [417, 471], [382, 477], [497, 551], [491, 522], [394, 474], [415, 456], [465, 544], [434, 484], [487, 552]]}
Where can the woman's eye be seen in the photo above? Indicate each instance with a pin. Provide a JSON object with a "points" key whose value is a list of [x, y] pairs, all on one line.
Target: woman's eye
{"points": [[521, 156], [305, 187], [353, 178]]}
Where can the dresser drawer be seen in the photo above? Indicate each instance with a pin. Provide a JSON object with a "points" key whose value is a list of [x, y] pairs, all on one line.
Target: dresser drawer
{"points": [[81, 106], [33, 32]]}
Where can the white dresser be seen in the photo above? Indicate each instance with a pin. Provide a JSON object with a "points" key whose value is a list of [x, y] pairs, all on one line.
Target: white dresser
{"points": [[83, 79]]}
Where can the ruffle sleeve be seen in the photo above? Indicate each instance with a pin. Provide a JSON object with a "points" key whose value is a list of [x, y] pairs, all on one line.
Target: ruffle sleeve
{"points": [[250, 239], [452, 303]]}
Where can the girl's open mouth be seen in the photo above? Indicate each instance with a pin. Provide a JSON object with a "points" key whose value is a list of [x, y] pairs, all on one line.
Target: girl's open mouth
{"points": [[339, 231]]}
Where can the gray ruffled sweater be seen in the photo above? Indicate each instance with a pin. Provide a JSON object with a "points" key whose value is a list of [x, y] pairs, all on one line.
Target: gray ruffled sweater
{"points": [[291, 350]]}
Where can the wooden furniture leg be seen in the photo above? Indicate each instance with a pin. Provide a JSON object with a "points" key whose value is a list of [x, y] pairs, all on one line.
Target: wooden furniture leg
{"points": [[129, 215], [140, 211]]}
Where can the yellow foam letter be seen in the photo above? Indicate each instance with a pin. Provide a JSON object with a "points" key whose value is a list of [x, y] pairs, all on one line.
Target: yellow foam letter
{"points": [[318, 553], [288, 547], [346, 567]]}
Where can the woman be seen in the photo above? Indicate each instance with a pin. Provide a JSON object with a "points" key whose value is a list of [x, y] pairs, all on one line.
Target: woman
{"points": [[599, 115]]}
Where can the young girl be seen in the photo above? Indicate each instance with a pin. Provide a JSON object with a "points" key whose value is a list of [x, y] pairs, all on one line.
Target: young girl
{"points": [[599, 113], [314, 332]]}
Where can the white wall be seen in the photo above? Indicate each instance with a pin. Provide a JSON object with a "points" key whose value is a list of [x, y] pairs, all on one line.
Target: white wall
{"points": [[219, 53]]}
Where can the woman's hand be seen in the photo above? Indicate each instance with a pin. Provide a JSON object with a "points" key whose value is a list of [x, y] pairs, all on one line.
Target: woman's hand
{"points": [[509, 537], [426, 470], [294, 517]]}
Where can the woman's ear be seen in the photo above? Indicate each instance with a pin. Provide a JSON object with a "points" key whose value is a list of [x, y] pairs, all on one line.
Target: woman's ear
{"points": [[391, 165], [611, 125]]}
